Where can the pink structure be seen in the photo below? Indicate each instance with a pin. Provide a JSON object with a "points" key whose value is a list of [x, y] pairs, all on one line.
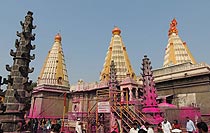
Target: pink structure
{"points": [[150, 107]]}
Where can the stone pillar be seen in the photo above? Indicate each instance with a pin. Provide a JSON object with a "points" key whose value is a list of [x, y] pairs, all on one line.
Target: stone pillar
{"points": [[137, 95], [18, 94]]}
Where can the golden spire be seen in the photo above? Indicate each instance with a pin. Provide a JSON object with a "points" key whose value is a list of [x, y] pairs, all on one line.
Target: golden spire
{"points": [[117, 53], [54, 70], [176, 51]]}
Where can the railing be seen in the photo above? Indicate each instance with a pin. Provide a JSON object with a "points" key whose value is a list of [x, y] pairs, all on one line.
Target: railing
{"points": [[139, 114], [125, 125], [178, 68], [123, 114], [52, 82], [128, 116], [133, 115], [88, 86]]}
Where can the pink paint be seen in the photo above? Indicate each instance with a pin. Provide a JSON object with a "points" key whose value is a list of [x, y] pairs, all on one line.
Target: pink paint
{"points": [[192, 112], [150, 107], [164, 105]]}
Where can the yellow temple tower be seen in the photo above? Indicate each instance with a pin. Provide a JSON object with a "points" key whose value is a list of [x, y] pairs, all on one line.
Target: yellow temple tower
{"points": [[52, 85], [54, 70], [177, 51], [117, 53]]}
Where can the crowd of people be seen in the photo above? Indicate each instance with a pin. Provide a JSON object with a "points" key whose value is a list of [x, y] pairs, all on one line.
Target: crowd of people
{"points": [[54, 126], [166, 127], [40, 125]]}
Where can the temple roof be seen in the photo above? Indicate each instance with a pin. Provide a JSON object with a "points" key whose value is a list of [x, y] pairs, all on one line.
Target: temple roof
{"points": [[128, 80], [54, 70], [176, 51], [117, 52]]}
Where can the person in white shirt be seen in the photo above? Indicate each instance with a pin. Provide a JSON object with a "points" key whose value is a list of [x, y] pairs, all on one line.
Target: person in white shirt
{"points": [[78, 127], [149, 128], [166, 126], [190, 127], [134, 129]]}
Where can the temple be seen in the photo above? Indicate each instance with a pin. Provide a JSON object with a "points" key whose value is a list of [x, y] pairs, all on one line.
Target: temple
{"points": [[120, 96], [178, 89], [117, 52], [177, 51], [52, 85]]}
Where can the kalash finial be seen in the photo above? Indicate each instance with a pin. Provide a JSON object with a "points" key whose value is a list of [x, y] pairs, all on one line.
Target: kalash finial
{"points": [[58, 38], [173, 28], [116, 31]]}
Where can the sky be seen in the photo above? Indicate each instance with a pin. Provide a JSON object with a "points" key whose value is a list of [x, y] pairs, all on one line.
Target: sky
{"points": [[86, 30]]}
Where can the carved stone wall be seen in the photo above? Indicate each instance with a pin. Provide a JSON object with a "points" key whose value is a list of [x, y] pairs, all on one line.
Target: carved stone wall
{"points": [[198, 86]]}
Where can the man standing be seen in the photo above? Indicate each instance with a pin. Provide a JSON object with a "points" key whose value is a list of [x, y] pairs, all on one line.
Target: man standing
{"points": [[166, 126], [190, 127], [149, 128], [134, 129], [78, 127]]}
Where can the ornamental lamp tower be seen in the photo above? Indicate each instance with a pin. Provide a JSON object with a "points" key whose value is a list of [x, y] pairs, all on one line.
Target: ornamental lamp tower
{"points": [[150, 107], [18, 94]]}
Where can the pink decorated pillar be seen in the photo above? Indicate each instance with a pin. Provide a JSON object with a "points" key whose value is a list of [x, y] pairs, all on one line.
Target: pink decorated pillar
{"points": [[150, 107]]}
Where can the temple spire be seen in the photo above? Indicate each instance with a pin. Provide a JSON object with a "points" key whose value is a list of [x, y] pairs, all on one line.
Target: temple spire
{"points": [[54, 71], [176, 51], [117, 52]]}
